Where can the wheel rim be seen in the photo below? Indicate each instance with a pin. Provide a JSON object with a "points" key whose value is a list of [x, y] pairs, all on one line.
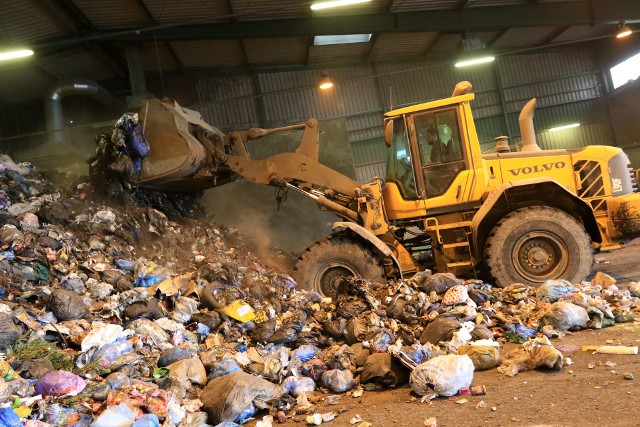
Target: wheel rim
{"points": [[540, 256], [329, 276]]}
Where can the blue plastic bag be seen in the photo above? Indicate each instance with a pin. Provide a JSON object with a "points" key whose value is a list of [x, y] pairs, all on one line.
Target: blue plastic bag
{"points": [[125, 264], [305, 352], [8, 418], [148, 280], [139, 144], [148, 420], [520, 330]]}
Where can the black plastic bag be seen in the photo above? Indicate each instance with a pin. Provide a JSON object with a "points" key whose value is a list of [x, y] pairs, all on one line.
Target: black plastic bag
{"points": [[148, 309], [439, 283], [383, 369], [66, 305], [439, 329]]}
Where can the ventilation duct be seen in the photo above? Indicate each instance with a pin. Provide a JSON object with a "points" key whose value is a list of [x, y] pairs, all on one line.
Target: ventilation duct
{"points": [[53, 103]]}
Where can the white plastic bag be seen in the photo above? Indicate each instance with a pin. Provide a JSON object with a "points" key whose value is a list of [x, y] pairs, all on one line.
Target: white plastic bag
{"points": [[462, 335], [565, 315], [115, 416], [444, 375]]}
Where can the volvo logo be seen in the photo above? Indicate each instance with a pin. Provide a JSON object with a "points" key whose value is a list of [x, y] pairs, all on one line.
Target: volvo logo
{"points": [[537, 168]]}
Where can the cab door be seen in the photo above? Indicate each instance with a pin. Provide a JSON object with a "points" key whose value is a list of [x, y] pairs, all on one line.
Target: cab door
{"points": [[440, 158]]}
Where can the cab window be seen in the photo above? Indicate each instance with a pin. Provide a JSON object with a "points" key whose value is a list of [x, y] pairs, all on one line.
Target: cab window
{"points": [[440, 149], [399, 167]]}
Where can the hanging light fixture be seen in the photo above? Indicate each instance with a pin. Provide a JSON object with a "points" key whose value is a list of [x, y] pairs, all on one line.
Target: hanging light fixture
{"points": [[473, 51], [15, 54], [623, 31], [335, 3], [325, 82]]}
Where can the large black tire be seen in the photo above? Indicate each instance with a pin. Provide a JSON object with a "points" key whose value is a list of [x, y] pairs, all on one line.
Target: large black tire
{"points": [[321, 266], [534, 244]]}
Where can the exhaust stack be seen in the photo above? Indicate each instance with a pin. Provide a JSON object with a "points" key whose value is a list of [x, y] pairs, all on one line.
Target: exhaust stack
{"points": [[527, 131]]}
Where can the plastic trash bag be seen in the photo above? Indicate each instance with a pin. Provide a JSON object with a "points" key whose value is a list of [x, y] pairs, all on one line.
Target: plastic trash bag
{"points": [[462, 335], [382, 369], [117, 380], [298, 385], [139, 143], [520, 330], [102, 336], [115, 416], [9, 331], [110, 352], [314, 368], [147, 420], [444, 375], [439, 283], [67, 305], [553, 290], [439, 329], [382, 340], [172, 355], [340, 357], [9, 418], [126, 264], [455, 295], [534, 353], [338, 381], [187, 371], [148, 309], [335, 327], [58, 383], [226, 398], [305, 352], [356, 330], [483, 357], [565, 315]]}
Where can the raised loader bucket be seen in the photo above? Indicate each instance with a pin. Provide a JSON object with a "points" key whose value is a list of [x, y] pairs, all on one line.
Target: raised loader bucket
{"points": [[177, 159]]}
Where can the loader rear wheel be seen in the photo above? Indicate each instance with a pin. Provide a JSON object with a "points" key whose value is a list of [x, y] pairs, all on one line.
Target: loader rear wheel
{"points": [[322, 265], [535, 244]]}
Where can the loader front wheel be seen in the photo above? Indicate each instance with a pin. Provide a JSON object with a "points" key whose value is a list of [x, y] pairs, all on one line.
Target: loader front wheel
{"points": [[535, 244], [322, 265]]}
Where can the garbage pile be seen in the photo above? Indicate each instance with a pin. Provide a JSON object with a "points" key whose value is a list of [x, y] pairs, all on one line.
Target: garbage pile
{"points": [[119, 316]]}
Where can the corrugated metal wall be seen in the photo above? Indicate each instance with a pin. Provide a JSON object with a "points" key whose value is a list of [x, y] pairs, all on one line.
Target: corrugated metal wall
{"points": [[566, 85]]}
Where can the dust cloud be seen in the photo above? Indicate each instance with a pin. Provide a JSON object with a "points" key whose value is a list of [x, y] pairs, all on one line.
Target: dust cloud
{"points": [[277, 236]]}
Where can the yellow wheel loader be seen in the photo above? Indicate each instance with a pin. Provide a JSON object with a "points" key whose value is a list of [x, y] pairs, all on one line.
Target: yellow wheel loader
{"points": [[525, 216]]}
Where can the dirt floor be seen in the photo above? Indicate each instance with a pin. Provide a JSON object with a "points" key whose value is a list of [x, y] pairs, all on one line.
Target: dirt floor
{"points": [[592, 391]]}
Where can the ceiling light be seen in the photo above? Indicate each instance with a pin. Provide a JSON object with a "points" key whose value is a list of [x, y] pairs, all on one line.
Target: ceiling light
{"points": [[475, 61], [325, 82], [572, 125], [623, 31], [341, 39], [15, 54], [335, 3]]}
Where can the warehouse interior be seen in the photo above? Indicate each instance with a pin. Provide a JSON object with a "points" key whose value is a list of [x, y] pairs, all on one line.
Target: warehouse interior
{"points": [[219, 291]]}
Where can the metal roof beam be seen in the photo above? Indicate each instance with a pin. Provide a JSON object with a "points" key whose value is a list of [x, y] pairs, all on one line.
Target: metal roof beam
{"points": [[151, 18], [449, 20], [551, 37], [73, 18]]}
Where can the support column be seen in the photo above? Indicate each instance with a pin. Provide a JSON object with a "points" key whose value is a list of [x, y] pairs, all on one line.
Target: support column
{"points": [[136, 77]]}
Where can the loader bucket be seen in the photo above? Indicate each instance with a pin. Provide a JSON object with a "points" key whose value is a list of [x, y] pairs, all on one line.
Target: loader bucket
{"points": [[177, 159]]}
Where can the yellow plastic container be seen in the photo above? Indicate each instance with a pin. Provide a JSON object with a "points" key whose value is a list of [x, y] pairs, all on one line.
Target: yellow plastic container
{"points": [[239, 310]]}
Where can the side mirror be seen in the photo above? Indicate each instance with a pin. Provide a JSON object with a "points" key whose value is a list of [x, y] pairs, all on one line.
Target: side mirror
{"points": [[388, 133]]}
